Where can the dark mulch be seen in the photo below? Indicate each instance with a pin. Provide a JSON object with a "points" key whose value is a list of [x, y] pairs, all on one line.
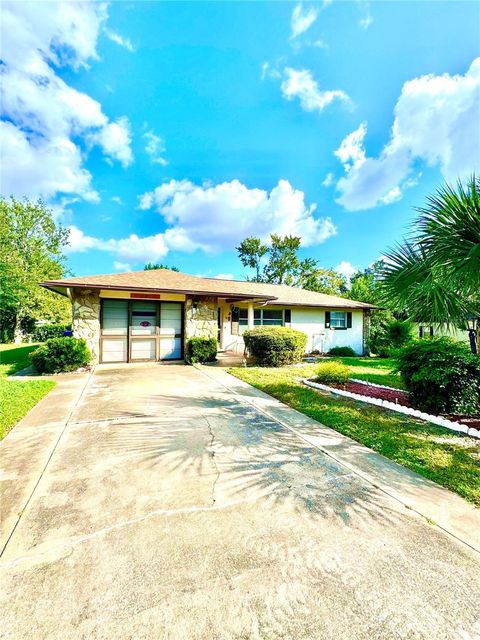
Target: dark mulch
{"points": [[391, 395], [401, 397]]}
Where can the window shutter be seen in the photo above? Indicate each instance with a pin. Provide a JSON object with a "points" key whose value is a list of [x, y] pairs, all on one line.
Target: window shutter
{"points": [[420, 332], [288, 316], [431, 332], [349, 319], [327, 319], [235, 318]]}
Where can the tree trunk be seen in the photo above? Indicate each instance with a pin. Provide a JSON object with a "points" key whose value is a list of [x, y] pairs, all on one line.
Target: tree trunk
{"points": [[17, 334]]}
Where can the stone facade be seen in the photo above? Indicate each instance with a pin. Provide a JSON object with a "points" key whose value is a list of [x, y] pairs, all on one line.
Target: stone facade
{"points": [[201, 318], [86, 319]]}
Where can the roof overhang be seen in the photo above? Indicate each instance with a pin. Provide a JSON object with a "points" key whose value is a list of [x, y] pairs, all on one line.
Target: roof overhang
{"points": [[62, 289]]}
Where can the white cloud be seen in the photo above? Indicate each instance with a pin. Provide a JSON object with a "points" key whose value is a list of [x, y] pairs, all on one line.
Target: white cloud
{"points": [[132, 249], [115, 139], [218, 217], [116, 199], [120, 40], [213, 218], [436, 123], [122, 266], [45, 117], [366, 20], [329, 180], [346, 269], [224, 276], [302, 19], [155, 147], [351, 152], [300, 84]]}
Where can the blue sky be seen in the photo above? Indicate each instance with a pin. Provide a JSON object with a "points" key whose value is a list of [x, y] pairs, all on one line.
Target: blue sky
{"points": [[169, 131]]}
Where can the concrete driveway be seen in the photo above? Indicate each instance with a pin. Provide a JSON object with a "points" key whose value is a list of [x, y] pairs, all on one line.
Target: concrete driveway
{"points": [[170, 507]]}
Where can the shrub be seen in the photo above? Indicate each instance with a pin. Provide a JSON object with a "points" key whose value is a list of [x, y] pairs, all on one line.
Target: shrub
{"points": [[61, 354], [201, 350], [388, 335], [275, 346], [44, 332], [342, 352], [332, 373], [441, 376]]}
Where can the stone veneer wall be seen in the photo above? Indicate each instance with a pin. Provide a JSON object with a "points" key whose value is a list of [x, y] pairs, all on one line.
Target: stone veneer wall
{"points": [[86, 319], [201, 322]]}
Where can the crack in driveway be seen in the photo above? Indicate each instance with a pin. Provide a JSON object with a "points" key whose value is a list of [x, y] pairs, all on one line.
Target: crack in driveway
{"points": [[211, 453]]}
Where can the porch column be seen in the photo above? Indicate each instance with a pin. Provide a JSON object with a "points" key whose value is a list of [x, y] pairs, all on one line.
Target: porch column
{"points": [[250, 316]]}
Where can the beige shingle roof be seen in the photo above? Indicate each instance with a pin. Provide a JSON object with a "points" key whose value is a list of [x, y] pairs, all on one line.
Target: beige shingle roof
{"points": [[173, 281]]}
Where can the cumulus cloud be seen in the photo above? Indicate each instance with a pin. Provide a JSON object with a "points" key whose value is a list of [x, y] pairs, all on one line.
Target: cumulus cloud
{"points": [[217, 217], [436, 122], [302, 19], [155, 147], [347, 269], [48, 124], [213, 218], [301, 84], [132, 249]]}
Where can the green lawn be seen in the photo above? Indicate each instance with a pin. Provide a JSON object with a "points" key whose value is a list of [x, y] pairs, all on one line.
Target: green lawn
{"points": [[433, 452], [378, 370], [17, 397]]}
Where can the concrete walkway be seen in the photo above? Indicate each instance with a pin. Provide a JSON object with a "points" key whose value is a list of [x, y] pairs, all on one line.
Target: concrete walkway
{"points": [[173, 505]]}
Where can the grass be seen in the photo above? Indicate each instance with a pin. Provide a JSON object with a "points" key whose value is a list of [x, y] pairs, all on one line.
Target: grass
{"points": [[378, 370], [17, 397], [433, 452]]}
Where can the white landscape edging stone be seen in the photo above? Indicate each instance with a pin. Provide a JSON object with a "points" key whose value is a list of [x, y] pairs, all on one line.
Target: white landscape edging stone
{"points": [[438, 420]]}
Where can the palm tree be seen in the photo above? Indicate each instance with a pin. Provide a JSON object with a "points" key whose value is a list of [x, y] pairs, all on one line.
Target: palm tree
{"points": [[434, 276]]}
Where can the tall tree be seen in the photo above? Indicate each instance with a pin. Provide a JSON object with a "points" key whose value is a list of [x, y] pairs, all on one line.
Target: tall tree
{"points": [[151, 266], [31, 250], [435, 276], [251, 251], [278, 263], [283, 264], [365, 286]]}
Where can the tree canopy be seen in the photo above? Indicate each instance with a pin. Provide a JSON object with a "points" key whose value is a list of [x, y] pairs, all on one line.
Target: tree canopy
{"points": [[151, 266], [31, 250], [278, 263]]}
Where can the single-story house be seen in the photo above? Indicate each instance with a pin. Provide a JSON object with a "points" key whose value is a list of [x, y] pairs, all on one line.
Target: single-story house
{"points": [[150, 315]]}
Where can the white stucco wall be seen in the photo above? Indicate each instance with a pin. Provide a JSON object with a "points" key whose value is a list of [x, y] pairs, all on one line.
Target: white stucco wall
{"points": [[311, 321]]}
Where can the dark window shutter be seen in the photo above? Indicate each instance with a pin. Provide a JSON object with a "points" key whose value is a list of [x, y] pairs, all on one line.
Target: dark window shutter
{"points": [[349, 319], [327, 319], [235, 318], [431, 332], [420, 332], [288, 315]]}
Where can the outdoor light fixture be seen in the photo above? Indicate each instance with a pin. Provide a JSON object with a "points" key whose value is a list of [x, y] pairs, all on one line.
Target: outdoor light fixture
{"points": [[472, 329]]}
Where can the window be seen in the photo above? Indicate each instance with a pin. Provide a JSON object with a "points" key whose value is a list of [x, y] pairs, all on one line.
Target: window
{"points": [[266, 317], [338, 319]]}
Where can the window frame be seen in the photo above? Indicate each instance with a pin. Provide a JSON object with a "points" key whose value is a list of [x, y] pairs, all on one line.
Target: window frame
{"points": [[258, 319]]}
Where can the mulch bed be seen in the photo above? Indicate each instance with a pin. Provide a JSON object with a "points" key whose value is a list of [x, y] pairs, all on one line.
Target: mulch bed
{"points": [[391, 395], [400, 397]]}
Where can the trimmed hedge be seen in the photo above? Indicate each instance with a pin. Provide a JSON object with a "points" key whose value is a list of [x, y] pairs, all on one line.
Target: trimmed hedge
{"points": [[342, 352], [44, 332], [441, 376], [333, 373], [275, 346], [201, 350], [61, 354]]}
